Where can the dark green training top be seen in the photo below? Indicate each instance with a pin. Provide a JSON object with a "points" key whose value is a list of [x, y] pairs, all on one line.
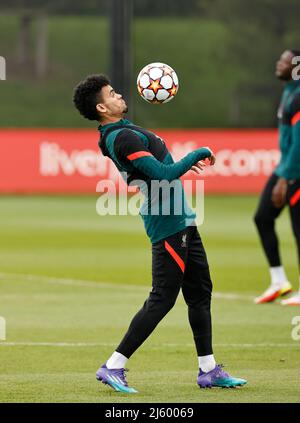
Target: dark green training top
{"points": [[289, 132], [144, 160]]}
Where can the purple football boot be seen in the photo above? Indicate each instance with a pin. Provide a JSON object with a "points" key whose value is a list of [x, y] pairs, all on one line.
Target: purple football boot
{"points": [[218, 378], [115, 378]]}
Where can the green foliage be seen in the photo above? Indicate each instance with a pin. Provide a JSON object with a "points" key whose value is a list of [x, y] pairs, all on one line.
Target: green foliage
{"points": [[271, 15], [101, 7], [224, 61], [77, 7]]}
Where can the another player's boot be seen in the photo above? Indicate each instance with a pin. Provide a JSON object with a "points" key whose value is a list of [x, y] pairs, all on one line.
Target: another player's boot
{"points": [[115, 378], [294, 300], [218, 378], [274, 292]]}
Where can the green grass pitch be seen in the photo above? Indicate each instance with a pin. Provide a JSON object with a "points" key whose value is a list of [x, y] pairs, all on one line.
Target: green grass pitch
{"points": [[70, 282]]}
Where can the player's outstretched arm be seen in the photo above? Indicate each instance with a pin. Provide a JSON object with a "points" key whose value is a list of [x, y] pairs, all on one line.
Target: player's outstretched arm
{"points": [[141, 158], [155, 169]]}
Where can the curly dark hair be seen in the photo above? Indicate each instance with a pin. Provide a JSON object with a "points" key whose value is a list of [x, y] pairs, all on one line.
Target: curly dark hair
{"points": [[87, 95]]}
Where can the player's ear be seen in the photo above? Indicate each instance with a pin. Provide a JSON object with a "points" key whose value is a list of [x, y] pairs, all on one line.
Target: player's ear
{"points": [[101, 108]]}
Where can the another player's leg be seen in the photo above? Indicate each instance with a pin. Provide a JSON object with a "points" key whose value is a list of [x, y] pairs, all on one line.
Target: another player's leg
{"points": [[167, 269], [197, 289], [294, 206], [265, 217]]}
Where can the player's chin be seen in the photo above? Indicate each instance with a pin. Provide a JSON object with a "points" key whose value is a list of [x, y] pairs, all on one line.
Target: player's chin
{"points": [[125, 110]]}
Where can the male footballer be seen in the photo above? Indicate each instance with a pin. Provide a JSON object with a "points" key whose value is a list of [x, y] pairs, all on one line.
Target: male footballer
{"points": [[283, 187], [178, 256]]}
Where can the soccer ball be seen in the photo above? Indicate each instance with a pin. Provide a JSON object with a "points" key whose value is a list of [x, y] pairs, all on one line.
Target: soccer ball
{"points": [[157, 83]]}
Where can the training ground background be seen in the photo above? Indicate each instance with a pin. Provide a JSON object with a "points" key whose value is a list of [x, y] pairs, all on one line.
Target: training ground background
{"points": [[71, 281]]}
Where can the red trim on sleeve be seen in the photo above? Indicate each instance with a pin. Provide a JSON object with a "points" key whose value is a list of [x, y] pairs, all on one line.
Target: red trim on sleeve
{"points": [[295, 198], [175, 256], [295, 118], [138, 154]]}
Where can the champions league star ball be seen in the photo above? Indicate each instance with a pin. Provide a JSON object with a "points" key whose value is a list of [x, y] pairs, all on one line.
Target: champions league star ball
{"points": [[157, 83]]}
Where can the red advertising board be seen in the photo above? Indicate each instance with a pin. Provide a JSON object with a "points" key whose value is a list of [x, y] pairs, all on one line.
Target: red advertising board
{"points": [[69, 160]]}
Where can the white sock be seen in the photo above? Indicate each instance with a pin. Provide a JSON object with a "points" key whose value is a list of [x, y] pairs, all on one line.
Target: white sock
{"points": [[207, 363], [278, 276], [116, 361]]}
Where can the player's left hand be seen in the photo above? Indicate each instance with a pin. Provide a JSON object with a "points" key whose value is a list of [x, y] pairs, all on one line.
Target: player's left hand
{"points": [[199, 166], [279, 193]]}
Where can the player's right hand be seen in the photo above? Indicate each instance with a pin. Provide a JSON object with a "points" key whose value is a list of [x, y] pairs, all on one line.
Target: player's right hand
{"points": [[279, 193]]}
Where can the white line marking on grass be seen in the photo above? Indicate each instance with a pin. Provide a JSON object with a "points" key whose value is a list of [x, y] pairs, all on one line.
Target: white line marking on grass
{"points": [[64, 281], [57, 344], [260, 345], [99, 284], [111, 344]]}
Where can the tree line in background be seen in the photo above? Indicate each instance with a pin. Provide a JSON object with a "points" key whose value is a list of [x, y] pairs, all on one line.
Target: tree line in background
{"points": [[276, 13], [275, 18], [257, 32], [101, 7], [35, 12]]}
